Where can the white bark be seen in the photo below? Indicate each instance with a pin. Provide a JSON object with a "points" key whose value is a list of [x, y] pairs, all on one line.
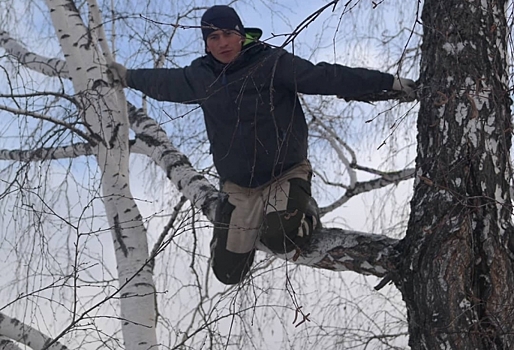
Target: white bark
{"points": [[101, 112], [336, 143]]}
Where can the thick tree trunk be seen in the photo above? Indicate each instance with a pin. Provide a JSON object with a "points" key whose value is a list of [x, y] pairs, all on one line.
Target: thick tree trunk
{"points": [[456, 273]]}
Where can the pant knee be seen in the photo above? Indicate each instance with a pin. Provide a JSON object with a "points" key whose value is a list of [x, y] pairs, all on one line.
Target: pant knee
{"points": [[231, 268], [284, 231], [277, 243], [280, 229]]}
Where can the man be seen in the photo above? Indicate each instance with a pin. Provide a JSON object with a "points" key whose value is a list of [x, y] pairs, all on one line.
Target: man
{"points": [[257, 130]]}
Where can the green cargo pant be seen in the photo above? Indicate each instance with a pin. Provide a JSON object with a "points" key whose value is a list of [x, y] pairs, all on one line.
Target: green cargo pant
{"points": [[274, 213]]}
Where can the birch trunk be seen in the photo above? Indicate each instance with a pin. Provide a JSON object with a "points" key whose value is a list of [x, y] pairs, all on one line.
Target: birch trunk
{"points": [[456, 274], [101, 114]]}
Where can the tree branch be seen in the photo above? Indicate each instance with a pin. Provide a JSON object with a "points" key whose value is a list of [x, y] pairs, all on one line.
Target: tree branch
{"points": [[335, 141], [52, 67], [13, 329], [355, 187], [152, 140], [46, 153], [159, 246], [342, 250], [367, 186], [6, 344], [52, 120]]}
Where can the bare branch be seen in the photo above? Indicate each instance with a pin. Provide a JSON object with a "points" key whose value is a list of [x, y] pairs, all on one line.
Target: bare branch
{"points": [[308, 20], [42, 93], [50, 119], [158, 246], [335, 141], [367, 186]]}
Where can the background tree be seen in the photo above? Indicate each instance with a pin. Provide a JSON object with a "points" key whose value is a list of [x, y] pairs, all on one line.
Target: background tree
{"points": [[68, 144]]}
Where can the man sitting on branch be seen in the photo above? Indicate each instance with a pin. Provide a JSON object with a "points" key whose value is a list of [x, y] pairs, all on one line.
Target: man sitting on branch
{"points": [[248, 92]]}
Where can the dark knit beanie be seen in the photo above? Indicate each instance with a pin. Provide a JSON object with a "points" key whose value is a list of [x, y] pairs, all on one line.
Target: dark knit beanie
{"points": [[221, 17]]}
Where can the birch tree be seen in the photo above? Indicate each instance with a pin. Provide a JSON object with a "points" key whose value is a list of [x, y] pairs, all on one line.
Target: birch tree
{"points": [[460, 219]]}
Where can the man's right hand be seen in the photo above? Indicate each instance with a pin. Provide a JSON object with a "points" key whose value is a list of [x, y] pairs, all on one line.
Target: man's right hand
{"points": [[118, 73], [407, 86]]}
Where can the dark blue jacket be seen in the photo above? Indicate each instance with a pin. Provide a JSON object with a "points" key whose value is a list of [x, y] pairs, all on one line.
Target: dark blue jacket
{"points": [[254, 120]]}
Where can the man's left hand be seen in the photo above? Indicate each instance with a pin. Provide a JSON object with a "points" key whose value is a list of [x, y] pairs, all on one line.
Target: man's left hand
{"points": [[118, 73]]}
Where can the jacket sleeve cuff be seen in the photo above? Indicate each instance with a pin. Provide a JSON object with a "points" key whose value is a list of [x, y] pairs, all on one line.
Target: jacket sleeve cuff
{"points": [[127, 78], [387, 81]]}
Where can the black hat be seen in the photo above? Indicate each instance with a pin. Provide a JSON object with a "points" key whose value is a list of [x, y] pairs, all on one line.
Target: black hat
{"points": [[221, 17]]}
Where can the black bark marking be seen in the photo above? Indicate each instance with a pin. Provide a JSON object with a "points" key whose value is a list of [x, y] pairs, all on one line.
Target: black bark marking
{"points": [[99, 83], [70, 6], [114, 136], [149, 140], [195, 178], [118, 233], [144, 285]]}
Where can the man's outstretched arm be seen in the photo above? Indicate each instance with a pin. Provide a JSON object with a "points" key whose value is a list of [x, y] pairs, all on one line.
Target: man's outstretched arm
{"points": [[174, 85], [303, 76]]}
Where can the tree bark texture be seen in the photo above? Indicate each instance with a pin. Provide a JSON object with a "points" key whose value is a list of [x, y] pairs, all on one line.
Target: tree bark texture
{"points": [[456, 271]]}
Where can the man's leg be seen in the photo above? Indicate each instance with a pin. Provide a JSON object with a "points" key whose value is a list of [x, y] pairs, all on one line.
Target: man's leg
{"points": [[236, 229], [291, 212]]}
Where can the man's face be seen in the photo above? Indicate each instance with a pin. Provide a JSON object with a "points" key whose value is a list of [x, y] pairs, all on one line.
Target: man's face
{"points": [[224, 45]]}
